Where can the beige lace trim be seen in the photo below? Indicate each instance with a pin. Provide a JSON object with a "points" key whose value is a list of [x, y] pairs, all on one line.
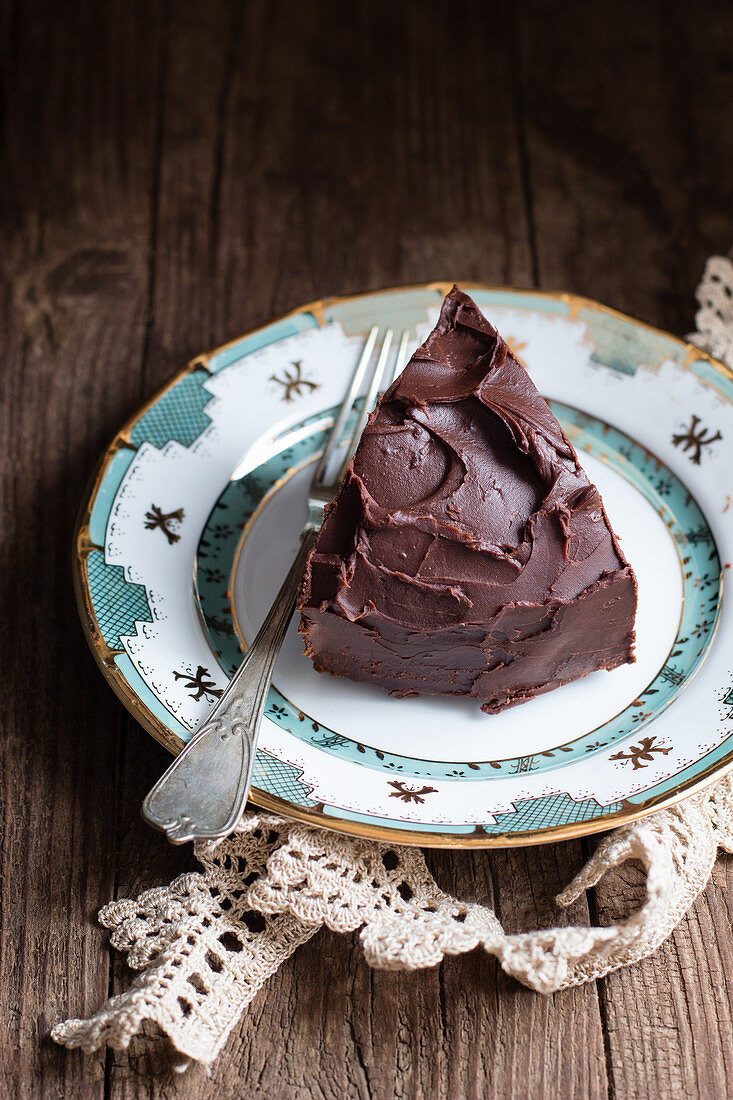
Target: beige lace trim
{"points": [[206, 944], [714, 319]]}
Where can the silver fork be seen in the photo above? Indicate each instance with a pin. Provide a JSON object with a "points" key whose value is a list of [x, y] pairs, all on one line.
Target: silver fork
{"points": [[203, 793]]}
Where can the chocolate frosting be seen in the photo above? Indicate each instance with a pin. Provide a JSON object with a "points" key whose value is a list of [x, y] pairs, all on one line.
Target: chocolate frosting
{"points": [[466, 552]]}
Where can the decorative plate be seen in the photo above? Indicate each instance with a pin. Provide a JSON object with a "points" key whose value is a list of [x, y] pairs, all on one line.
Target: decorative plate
{"points": [[193, 519]]}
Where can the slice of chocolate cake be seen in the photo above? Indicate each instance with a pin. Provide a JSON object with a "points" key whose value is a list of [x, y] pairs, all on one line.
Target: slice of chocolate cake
{"points": [[466, 552]]}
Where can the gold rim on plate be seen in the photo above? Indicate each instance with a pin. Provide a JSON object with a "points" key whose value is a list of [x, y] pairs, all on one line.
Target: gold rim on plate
{"points": [[105, 655]]}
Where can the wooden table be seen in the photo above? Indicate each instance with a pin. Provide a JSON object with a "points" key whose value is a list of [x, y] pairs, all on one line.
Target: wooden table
{"points": [[175, 173]]}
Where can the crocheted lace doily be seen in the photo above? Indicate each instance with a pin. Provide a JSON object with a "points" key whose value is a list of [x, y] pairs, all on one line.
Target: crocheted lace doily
{"points": [[714, 319], [206, 944]]}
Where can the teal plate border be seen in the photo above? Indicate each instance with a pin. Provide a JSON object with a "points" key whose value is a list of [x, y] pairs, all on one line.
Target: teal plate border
{"points": [[222, 536]]}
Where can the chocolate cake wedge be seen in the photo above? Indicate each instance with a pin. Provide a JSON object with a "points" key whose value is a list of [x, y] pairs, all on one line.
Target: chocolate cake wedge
{"points": [[466, 552]]}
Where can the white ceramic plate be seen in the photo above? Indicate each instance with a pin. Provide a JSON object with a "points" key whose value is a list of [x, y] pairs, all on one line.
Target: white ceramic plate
{"points": [[178, 560]]}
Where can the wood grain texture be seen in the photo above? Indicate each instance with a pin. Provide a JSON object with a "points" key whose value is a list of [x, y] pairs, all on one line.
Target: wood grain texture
{"points": [[627, 205], [175, 173], [76, 199], [629, 129], [677, 1004]]}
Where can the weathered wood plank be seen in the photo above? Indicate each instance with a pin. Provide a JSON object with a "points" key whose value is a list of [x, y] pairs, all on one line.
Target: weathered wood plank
{"points": [[669, 1020], [75, 203], [627, 205], [515, 1042], [628, 124]]}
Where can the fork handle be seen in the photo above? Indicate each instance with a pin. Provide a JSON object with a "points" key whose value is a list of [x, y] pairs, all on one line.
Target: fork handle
{"points": [[203, 793]]}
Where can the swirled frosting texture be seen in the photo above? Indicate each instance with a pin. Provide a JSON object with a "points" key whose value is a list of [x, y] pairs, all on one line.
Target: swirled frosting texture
{"points": [[466, 552]]}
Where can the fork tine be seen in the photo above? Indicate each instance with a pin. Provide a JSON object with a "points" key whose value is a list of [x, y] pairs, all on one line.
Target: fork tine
{"points": [[371, 397], [346, 405], [401, 360]]}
